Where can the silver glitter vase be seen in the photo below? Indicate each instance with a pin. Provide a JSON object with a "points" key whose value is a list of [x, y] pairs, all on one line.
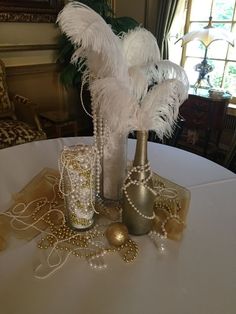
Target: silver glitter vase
{"points": [[138, 198], [114, 168]]}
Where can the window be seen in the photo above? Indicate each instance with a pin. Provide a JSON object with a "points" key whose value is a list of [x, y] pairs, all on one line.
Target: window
{"points": [[221, 55]]}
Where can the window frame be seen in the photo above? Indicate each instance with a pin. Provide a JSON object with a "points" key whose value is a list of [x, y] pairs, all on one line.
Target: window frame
{"points": [[188, 22]]}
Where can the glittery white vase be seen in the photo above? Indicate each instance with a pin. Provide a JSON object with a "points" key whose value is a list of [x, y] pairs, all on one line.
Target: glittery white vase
{"points": [[114, 168]]}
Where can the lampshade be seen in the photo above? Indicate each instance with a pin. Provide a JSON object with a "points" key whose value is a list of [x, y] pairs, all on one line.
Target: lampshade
{"points": [[207, 35]]}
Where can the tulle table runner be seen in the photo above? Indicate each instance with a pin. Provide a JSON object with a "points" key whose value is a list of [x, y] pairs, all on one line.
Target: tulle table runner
{"points": [[38, 211]]}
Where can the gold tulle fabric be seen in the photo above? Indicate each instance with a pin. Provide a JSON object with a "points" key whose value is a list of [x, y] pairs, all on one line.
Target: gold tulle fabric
{"points": [[41, 191], [171, 208]]}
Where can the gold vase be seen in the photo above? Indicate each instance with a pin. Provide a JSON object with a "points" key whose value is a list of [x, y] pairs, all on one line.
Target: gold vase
{"points": [[138, 198]]}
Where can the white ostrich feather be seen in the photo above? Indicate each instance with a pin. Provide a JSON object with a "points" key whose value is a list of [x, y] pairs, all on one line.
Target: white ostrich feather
{"points": [[158, 111], [165, 70], [122, 71], [138, 82], [160, 107], [91, 34], [140, 47], [115, 104]]}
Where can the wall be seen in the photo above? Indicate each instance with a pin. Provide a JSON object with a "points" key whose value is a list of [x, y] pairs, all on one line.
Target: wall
{"points": [[25, 43], [144, 11], [132, 8], [151, 14], [29, 53]]}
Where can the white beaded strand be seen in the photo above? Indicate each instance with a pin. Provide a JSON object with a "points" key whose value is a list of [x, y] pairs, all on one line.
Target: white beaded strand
{"points": [[98, 143], [139, 169]]}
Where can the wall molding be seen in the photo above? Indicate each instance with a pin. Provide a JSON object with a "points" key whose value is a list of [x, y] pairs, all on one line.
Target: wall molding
{"points": [[30, 11], [27, 17], [32, 69], [4, 48]]}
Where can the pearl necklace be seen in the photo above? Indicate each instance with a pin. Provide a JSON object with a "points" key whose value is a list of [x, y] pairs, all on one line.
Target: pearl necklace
{"points": [[130, 181], [98, 132], [59, 238]]}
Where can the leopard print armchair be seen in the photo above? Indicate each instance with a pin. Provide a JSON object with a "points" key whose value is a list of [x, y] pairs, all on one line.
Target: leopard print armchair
{"points": [[18, 119]]}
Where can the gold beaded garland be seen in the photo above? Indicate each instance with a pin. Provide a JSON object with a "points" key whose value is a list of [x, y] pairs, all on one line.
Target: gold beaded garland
{"points": [[48, 214], [117, 234]]}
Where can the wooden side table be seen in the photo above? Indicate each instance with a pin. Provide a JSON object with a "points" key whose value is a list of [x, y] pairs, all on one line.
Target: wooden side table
{"points": [[203, 113], [58, 123]]}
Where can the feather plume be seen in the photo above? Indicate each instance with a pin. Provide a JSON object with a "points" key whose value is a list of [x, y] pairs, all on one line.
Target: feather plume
{"points": [[158, 111], [140, 47], [94, 40], [160, 107], [122, 71], [166, 70], [115, 104], [138, 82]]}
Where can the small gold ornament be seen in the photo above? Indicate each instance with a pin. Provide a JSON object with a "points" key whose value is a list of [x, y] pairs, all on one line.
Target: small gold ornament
{"points": [[117, 234]]}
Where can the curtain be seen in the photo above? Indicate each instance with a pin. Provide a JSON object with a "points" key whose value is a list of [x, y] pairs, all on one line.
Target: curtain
{"points": [[165, 16]]}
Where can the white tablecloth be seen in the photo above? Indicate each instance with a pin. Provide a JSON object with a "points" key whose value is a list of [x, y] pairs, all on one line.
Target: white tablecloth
{"points": [[198, 275]]}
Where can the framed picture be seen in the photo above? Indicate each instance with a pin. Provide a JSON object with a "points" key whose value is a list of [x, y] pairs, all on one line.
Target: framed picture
{"points": [[32, 11]]}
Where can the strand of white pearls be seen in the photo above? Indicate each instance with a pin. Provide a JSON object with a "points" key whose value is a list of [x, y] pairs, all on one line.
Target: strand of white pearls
{"points": [[96, 261], [159, 241], [171, 216], [98, 143], [100, 135], [139, 169], [94, 116]]}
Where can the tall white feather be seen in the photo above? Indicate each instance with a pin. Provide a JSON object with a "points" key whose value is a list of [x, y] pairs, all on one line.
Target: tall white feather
{"points": [[138, 82], [165, 70], [114, 102], [94, 40], [160, 107], [140, 47], [123, 98]]}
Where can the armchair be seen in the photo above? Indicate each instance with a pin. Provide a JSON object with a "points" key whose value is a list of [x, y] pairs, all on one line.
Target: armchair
{"points": [[18, 119]]}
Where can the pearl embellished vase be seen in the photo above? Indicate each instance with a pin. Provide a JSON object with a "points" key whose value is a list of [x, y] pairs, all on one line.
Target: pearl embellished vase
{"points": [[139, 196], [77, 184], [114, 168]]}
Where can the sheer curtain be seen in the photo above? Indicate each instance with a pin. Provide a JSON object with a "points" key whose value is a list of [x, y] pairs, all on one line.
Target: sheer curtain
{"points": [[177, 31], [165, 16]]}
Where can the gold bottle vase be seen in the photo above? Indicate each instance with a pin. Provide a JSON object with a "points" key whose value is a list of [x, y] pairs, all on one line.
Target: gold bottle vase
{"points": [[138, 198]]}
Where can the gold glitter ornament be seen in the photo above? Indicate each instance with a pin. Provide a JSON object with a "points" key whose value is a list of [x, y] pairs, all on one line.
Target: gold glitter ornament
{"points": [[117, 234]]}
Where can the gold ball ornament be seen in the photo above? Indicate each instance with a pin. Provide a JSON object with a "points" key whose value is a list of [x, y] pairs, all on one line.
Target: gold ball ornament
{"points": [[117, 234]]}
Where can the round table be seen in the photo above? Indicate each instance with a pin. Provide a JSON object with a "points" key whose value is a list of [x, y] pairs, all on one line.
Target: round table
{"points": [[197, 275]]}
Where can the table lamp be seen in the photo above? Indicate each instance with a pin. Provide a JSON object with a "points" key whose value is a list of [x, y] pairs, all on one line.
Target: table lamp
{"points": [[206, 36]]}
